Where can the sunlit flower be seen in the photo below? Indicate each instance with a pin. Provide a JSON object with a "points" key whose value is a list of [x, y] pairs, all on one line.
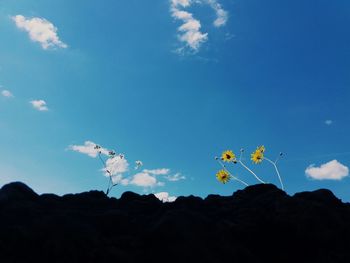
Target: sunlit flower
{"points": [[257, 156], [261, 148], [223, 176], [228, 156]]}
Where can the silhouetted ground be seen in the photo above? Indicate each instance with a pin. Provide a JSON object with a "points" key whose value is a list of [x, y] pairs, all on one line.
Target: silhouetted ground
{"points": [[258, 224]]}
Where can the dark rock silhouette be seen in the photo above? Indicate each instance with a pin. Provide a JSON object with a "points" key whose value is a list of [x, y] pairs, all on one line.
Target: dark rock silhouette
{"points": [[257, 224], [17, 191]]}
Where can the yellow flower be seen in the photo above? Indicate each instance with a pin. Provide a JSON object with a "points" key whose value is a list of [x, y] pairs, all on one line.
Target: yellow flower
{"points": [[228, 156], [261, 148], [223, 176], [257, 156]]}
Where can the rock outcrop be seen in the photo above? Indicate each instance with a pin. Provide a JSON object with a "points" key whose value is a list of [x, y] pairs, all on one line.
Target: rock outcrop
{"points": [[257, 224]]}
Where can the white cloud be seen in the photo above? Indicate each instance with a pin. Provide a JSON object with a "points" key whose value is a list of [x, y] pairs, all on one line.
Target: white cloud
{"points": [[161, 171], [89, 149], [124, 181], [332, 170], [182, 15], [328, 122], [221, 14], [40, 30], [176, 177], [144, 179], [40, 105], [183, 3], [190, 30], [7, 94], [116, 166], [147, 178], [191, 25], [164, 197], [117, 179]]}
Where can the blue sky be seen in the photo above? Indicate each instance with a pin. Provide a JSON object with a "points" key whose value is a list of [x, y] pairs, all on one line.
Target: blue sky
{"points": [[173, 84]]}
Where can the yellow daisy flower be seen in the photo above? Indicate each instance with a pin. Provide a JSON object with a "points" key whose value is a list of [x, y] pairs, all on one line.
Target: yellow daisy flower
{"points": [[223, 176], [257, 156], [228, 156]]}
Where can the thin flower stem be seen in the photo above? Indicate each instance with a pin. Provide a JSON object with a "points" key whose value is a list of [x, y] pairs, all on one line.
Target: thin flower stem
{"points": [[278, 174], [240, 156], [233, 177], [237, 179], [240, 161], [110, 182], [251, 172], [278, 158]]}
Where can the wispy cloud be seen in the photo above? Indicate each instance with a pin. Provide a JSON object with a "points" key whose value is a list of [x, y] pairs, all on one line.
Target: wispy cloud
{"points": [[190, 31], [328, 122], [161, 171], [7, 94], [332, 170], [40, 30], [89, 149], [165, 197], [176, 177], [39, 105], [183, 3], [221, 14], [150, 178]]}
